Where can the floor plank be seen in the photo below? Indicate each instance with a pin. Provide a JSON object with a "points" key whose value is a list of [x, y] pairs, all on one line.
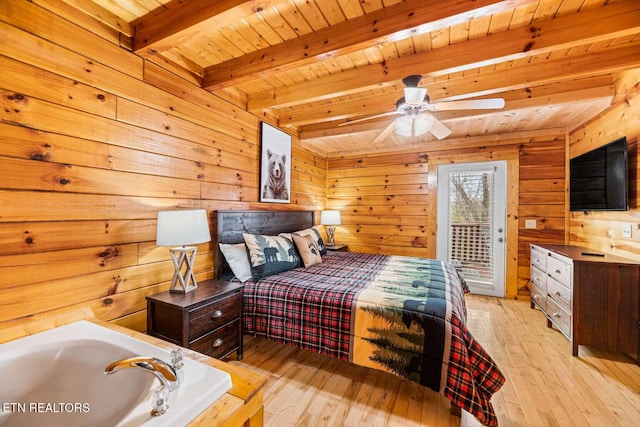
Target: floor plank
{"points": [[545, 385]]}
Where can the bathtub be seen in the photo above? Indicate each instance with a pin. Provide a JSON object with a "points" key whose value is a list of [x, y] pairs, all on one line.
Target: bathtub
{"points": [[56, 378]]}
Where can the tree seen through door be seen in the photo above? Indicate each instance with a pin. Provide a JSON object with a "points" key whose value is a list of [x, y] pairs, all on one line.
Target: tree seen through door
{"points": [[470, 222]]}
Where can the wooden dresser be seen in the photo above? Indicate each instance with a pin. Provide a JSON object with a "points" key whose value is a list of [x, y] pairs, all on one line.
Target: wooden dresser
{"points": [[593, 300]]}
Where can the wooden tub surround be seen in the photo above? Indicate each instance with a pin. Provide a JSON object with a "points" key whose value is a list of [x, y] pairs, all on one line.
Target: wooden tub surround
{"points": [[242, 405]]}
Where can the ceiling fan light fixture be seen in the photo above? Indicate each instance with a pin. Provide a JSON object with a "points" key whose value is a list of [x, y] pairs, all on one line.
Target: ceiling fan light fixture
{"points": [[404, 126], [414, 125], [414, 95], [422, 124]]}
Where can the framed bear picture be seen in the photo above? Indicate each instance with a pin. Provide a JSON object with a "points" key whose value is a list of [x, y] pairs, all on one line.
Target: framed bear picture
{"points": [[275, 165]]}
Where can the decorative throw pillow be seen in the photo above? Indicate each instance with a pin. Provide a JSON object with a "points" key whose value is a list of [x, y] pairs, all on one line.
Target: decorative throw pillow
{"points": [[313, 231], [270, 254], [236, 256], [308, 249]]}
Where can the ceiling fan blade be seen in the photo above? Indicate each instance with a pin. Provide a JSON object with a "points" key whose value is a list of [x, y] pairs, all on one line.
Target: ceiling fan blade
{"points": [[439, 130], [471, 104], [385, 132], [350, 122]]}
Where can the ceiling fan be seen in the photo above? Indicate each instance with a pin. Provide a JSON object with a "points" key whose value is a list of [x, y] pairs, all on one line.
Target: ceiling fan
{"points": [[414, 107]]}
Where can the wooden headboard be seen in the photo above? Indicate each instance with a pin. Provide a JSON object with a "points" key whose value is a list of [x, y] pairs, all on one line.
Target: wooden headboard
{"points": [[231, 224]]}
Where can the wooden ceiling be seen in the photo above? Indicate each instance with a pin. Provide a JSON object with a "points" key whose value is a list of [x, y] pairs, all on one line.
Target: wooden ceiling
{"points": [[312, 65]]}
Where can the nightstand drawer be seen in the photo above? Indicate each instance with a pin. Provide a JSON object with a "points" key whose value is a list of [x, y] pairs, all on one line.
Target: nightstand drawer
{"points": [[214, 315], [207, 319], [219, 342]]}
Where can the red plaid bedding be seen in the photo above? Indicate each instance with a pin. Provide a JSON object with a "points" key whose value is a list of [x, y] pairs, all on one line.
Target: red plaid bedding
{"points": [[399, 314]]}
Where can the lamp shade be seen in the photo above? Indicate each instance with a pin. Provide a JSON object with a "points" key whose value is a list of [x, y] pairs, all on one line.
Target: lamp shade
{"points": [[330, 218], [182, 227]]}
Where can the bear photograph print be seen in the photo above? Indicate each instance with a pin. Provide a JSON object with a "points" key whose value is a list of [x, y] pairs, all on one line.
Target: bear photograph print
{"points": [[275, 165]]}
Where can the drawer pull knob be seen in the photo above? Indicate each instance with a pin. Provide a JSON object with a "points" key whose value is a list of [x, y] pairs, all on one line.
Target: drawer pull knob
{"points": [[556, 293], [557, 271], [536, 297], [216, 314], [557, 315], [218, 342]]}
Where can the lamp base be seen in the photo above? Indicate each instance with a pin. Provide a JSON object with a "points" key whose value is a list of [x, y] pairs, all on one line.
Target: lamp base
{"points": [[183, 283], [331, 235]]}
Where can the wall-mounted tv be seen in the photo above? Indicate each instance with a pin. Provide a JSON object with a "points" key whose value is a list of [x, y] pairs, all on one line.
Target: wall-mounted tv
{"points": [[598, 179]]}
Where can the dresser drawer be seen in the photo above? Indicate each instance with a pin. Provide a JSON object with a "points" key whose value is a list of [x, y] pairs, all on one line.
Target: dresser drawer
{"points": [[559, 270], [538, 258], [560, 293], [219, 342], [211, 316], [539, 280], [539, 297], [559, 317]]}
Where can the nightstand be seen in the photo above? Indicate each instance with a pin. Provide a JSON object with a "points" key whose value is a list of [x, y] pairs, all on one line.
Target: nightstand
{"points": [[338, 248], [207, 320]]}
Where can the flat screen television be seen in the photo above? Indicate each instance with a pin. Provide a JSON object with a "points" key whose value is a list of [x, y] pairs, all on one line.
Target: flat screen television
{"points": [[598, 179]]}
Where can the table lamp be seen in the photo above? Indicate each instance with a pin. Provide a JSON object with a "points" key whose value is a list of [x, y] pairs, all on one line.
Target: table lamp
{"points": [[330, 219], [179, 228]]}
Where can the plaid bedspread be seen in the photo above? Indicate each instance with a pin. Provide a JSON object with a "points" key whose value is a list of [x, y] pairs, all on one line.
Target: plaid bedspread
{"points": [[403, 315]]}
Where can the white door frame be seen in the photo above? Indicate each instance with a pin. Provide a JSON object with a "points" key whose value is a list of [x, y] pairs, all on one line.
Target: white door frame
{"points": [[499, 219]]}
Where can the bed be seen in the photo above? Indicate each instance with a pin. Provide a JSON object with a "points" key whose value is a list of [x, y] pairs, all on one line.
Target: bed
{"points": [[403, 315]]}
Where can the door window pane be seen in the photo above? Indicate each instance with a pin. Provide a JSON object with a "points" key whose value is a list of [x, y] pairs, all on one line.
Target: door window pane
{"points": [[471, 224]]}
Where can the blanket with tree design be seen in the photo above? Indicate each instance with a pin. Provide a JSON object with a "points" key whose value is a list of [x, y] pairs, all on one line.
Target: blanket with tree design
{"points": [[404, 315]]}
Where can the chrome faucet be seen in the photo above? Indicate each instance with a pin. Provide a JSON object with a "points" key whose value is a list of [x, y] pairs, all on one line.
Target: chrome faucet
{"points": [[168, 374], [163, 371]]}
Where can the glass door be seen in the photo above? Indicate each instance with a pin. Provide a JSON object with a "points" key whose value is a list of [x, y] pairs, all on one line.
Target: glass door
{"points": [[472, 223]]}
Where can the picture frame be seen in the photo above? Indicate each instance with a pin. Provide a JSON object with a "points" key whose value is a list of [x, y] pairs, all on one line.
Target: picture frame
{"points": [[275, 165]]}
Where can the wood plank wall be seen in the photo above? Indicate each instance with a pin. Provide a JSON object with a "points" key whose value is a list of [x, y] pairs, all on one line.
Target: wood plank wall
{"points": [[388, 201], [602, 231], [94, 140]]}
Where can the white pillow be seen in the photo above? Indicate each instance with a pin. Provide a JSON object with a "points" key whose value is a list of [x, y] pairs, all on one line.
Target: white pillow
{"points": [[236, 256]]}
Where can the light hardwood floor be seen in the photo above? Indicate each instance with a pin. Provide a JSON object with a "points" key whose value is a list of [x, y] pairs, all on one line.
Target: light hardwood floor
{"points": [[545, 385]]}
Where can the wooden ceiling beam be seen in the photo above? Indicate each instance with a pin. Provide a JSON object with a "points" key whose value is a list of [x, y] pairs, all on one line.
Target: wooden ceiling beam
{"points": [[450, 144], [514, 97], [590, 26], [480, 84], [183, 20], [104, 16], [332, 129], [583, 95], [396, 22], [517, 100], [531, 97], [605, 61]]}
